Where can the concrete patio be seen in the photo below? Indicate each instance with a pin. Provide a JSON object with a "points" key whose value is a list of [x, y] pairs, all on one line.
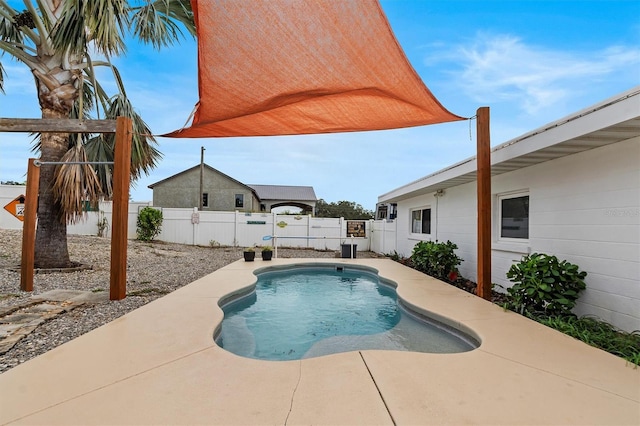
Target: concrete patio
{"points": [[160, 365]]}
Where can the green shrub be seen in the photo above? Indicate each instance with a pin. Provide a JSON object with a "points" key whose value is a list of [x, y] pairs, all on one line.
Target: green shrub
{"points": [[436, 259], [544, 285], [149, 223]]}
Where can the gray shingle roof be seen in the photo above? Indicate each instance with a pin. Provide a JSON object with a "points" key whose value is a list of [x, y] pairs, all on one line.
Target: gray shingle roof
{"points": [[284, 192]]}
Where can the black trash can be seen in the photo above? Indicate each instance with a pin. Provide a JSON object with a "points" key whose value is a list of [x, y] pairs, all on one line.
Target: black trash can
{"points": [[349, 251]]}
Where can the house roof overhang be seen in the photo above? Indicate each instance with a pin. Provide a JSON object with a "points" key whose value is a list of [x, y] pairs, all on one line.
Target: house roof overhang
{"points": [[279, 193], [613, 120]]}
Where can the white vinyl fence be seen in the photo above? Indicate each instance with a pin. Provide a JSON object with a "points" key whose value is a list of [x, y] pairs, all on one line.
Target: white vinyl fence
{"points": [[383, 236], [189, 226], [205, 228]]}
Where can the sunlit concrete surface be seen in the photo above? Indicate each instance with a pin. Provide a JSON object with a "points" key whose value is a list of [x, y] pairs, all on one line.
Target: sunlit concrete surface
{"points": [[160, 365]]}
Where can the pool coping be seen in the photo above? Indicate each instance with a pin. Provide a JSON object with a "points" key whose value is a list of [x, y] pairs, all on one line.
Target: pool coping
{"points": [[159, 364]]}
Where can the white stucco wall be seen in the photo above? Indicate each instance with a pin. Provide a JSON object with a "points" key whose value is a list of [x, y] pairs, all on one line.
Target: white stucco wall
{"points": [[584, 208]]}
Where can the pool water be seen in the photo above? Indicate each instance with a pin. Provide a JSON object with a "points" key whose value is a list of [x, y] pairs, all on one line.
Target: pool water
{"points": [[312, 311]]}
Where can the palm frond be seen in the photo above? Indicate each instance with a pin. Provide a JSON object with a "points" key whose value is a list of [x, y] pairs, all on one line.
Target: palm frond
{"points": [[47, 16], [91, 84], [41, 37], [2, 74], [88, 101], [118, 79], [144, 154], [69, 33], [181, 11], [99, 21], [6, 9], [75, 184], [81, 110], [95, 146], [12, 37], [100, 148], [157, 22], [16, 25], [8, 29], [35, 142], [106, 22]]}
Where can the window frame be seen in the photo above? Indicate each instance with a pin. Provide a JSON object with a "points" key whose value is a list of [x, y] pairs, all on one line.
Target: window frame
{"points": [[411, 219], [507, 196], [205, 199], [240, 198], [382, 212]]}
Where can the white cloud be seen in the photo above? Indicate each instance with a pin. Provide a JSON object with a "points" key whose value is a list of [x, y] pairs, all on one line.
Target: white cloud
{"points": [[503, 68]]}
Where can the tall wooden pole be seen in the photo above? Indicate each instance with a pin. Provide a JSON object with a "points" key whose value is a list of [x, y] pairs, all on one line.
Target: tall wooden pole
{"points": [[201, 195], [120, 218], [484, 203], [29, 226]]}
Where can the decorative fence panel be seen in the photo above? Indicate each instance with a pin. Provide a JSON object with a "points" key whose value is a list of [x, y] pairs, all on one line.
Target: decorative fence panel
{"points": [[252, 227], [288, 227]]}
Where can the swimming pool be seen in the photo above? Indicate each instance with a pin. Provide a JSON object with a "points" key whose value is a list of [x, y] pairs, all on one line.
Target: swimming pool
{"points": [[308, 311]]}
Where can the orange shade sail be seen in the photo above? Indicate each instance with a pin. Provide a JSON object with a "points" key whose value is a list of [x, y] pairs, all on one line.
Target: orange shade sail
{"points": [[287, 67]]}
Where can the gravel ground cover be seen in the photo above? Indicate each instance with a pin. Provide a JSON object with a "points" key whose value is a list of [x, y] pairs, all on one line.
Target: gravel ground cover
{"points": [[153, 270]]}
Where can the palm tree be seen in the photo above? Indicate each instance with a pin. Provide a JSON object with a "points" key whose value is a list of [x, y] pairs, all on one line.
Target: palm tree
{"points": [[58, 40]]}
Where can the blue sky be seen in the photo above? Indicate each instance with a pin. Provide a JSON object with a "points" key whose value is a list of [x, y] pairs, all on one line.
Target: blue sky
{"points": [[531, 62]]}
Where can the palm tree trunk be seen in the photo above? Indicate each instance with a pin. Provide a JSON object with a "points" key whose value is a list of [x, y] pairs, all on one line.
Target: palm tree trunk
{"points": [[51, 249]]}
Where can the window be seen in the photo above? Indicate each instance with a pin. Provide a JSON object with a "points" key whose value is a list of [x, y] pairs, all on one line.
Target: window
{"points": [[382, 212], [421, 221], [393, 213], [205, 199], [514, 216], [240, 200]]}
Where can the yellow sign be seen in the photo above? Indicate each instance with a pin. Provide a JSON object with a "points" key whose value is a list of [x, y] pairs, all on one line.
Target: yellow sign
{"points": [[16, 207]]}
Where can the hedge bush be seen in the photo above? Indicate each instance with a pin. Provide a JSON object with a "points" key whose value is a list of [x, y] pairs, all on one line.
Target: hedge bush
{"points": [[149, 224], [544, 285], [436, 259]]}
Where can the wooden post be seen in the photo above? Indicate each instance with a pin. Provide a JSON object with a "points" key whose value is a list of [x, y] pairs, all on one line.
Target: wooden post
{"points": [[484, 203], [201, 194], [29, 226], [120, 218], [33, 125]]}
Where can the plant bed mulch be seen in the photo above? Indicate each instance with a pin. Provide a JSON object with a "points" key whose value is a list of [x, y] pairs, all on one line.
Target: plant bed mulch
{"points": [[471, 287], [464, 284]]}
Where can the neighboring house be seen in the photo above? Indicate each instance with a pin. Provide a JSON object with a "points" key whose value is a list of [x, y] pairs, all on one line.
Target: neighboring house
{"points": [[221, 192], [570, 189], [272, 196]]}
